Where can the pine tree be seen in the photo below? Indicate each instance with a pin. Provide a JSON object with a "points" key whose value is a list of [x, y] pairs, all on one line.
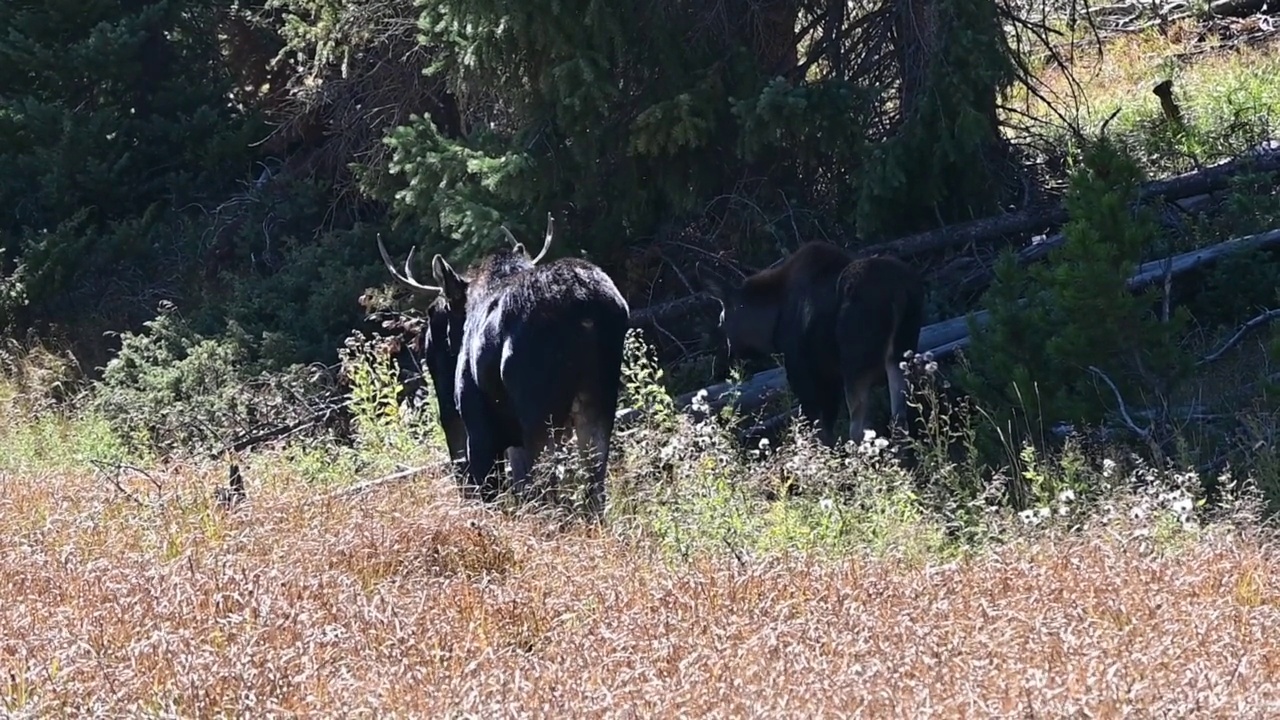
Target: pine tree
{"points": [[113, 115], [1050, 323]]}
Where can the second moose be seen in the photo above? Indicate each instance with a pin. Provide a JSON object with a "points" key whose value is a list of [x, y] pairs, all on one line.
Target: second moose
{"points": [[842, 324]]}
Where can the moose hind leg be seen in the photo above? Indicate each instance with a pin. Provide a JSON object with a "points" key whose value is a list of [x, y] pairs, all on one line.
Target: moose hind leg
{"points": [[818, 396], [593, 420], [521, 463], [483, 446], [897, 392], [857, 396], [482, 470], [861, 363], [593, 452]]}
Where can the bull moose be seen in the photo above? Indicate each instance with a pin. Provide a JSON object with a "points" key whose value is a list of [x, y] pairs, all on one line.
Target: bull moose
{"points": [[842, 324], [518, 353]]}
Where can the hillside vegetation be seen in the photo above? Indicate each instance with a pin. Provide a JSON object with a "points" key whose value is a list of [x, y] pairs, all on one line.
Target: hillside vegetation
{"points": [[1082, 522]]}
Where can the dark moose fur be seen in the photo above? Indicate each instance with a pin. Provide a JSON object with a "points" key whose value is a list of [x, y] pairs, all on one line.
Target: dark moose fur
{"points": [[516, 349], [842, 325]]}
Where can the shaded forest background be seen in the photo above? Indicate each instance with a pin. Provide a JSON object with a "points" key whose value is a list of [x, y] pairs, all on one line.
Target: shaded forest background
{"points": [[238, 158], [193, 187]]}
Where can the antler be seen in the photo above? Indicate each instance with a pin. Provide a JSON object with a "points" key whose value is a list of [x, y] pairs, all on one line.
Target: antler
{"points": [[516, 246], [546, 243], [407, 278]]}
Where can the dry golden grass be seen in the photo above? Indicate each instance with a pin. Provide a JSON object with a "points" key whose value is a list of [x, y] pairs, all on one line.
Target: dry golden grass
{"points": [[406, 602]]}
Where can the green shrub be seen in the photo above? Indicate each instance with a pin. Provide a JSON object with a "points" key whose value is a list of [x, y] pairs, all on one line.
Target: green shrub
{"points": [[175, 391]]}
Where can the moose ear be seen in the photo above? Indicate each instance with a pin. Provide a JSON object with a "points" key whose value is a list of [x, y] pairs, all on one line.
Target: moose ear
{"points": [[711, 282], [455, 288]]}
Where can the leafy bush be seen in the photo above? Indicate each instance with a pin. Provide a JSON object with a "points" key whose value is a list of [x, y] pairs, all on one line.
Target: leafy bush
{"points": [[305, 300], [174, 391]]}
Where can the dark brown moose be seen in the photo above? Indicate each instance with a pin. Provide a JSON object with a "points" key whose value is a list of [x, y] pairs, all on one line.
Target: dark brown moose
{"points": [[842, 325], [520, 353]]}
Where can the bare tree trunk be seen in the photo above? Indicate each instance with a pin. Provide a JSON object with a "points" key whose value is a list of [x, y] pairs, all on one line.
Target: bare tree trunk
{"points": [[915, 40], [772, 34], [938, 81]]}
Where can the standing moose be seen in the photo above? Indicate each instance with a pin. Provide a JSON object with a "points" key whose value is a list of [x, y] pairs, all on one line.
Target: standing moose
{"points": [[841, 324], [518, 352]]}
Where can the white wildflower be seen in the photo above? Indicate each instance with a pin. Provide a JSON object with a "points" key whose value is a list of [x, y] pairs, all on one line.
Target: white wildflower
{"points": [[1108, 467], [1066, 496]]}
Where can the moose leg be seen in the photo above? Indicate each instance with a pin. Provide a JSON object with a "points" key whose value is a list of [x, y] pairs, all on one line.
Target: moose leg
{"points": [[482, 460], [520, 463], [482, 445], [857, 395], [594, 411], [868, 336], [897, 392], [818, 396], [593, 430]]}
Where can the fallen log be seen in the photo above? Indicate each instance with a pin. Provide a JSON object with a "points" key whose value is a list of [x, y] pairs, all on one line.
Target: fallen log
{"points": [[979, 278], [1155, 270], [944, 338], [1264, 158], [675, 308]]}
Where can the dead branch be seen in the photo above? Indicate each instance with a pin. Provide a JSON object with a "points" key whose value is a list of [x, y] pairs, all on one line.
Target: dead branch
{"points": [[280, 432], [1256, 322], [361, 488], [1144, 433], [114, 479]]}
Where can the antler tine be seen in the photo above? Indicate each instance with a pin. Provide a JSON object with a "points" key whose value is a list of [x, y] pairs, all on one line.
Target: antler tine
{"points": [[407, 280], [546, 243], [514, 242], [408, 265]]}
